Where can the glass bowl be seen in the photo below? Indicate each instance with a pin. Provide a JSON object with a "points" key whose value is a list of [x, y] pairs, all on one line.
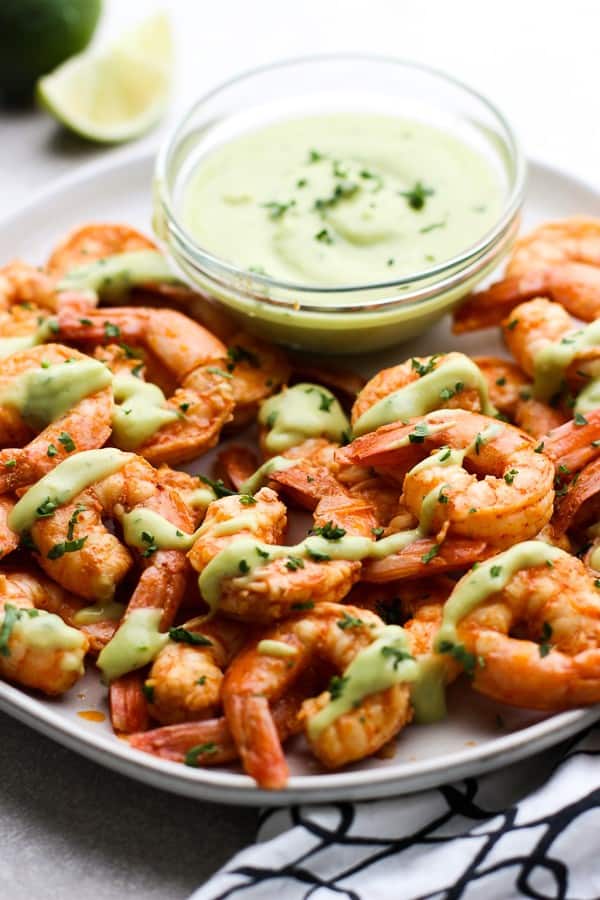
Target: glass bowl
{"points": [[348, 318]]}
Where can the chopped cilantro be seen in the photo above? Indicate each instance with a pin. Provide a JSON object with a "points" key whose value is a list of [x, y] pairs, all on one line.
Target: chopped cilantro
{"points": [[59, 550], [417, 196], [182, 636], [192, 755], [337, 685], [348, 621], [330, 531], [431, 554], [398, 656], [67, 441]]}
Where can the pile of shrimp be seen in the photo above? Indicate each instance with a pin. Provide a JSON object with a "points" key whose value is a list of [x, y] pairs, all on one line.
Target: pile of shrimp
{"points": [[239, 657]]}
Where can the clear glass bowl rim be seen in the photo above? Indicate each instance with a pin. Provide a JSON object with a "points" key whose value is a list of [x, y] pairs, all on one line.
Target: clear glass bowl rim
{"points": [[204, 258]]}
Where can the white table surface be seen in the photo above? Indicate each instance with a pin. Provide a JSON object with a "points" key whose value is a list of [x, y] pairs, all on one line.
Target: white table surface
{"points": [[69, 829]]}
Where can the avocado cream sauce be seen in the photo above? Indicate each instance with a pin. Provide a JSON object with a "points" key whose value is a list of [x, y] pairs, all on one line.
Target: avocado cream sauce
{"points": [[301, 412], [43, 395], [425, 394], [349, 198]]}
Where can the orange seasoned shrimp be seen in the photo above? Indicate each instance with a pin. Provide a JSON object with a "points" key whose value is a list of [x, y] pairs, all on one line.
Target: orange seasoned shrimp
{"points": [[538, 638], [510, 392], [9, 541], [201, 404], [37, 649], [574, 444], [387, 381], [77, 550], [185, 680], [506, 382], [270, 589], [558, 260], [92, 242], [85, 426], [127, 704], [235, 464], [506, 494], [257, 370], [209, 742], [263, 672], [580, 503]]}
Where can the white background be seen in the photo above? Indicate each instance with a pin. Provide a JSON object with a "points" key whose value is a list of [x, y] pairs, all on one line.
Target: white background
{"points": [[538, 59], [69, 829]]}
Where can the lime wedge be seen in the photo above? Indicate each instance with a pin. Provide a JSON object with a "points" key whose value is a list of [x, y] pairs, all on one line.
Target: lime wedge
{"points": [[117, 94]]}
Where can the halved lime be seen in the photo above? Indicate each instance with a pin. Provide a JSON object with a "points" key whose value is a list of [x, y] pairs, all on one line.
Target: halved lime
{"points": [[117, 94]]}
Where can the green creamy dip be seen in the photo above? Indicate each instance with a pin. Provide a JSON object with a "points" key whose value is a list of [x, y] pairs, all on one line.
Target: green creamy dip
{"points": [[341, 199], [43, 395], [301, 412], [139, 411], [63, 483], [426, 394], [115, 275], [551, 362], [136, 643], [10, 345]]}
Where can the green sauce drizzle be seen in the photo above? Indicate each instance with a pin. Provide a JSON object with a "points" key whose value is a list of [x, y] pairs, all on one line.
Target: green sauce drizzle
{"points": [[43, 395], [139, 411], [136, 643], [551, 362], [301, 412], [115, 275], [64, 482], [424, 395]]}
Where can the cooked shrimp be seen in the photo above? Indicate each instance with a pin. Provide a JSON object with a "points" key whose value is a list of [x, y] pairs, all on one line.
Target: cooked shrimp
{"points": [[9, 541], [575, 443], [179, 343], [387, 381], [277, 586], [235, 464], [257, 370], [52, 665], [345, 384], [425, 557], [558, 260], [94, 561], [92, 242], [506, 382], [127, 704], [185, 680], [203, 400], [580, 503], [510, 500], [86, 426], [209, 742], [256, 679], [554, 662]]}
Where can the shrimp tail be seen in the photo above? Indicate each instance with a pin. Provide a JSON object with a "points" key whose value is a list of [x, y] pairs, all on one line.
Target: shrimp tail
{"points": [[257, 740], [128, 708]]}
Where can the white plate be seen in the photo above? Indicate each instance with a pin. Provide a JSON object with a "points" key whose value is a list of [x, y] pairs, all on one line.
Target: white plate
{"points": [[477, 736]]}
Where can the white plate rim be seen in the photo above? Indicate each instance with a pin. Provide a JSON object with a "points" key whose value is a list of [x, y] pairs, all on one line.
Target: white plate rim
{"points": [[229, 787]]}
